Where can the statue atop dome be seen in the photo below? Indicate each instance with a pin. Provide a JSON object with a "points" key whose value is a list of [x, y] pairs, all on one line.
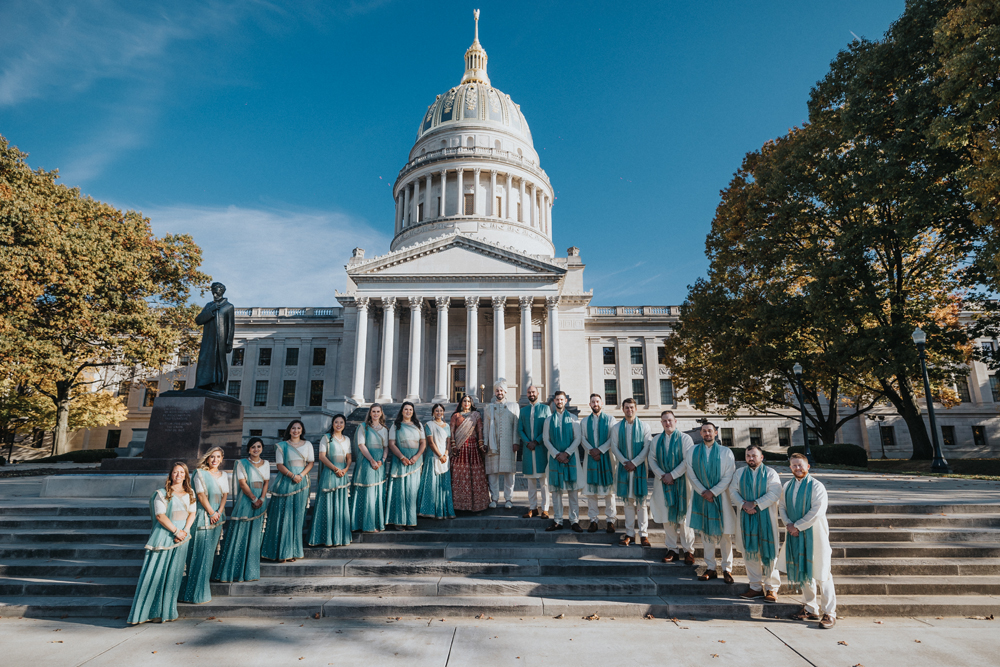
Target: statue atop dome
{"points": [[475, 59]]}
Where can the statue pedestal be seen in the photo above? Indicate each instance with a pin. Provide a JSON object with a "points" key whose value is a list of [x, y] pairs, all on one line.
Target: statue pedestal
{"points": [[183, 426]]}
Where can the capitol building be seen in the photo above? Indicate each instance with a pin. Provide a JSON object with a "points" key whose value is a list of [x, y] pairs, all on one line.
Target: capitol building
{"points": [[472, 289]]}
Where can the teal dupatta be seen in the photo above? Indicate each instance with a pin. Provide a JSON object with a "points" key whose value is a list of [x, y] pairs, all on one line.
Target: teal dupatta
{"points": [[798, 548], [706, 516], [562, 475], [758, 541], [640, 486], [669, 456], [599, 472]]}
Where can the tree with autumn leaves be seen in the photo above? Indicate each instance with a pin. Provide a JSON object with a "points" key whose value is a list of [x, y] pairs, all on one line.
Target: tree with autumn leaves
{"points": [[835, 241], [84, 288]]}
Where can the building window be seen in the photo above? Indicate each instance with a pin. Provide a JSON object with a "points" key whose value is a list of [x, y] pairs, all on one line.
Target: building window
{"points": [[180, 385], [184, 360], [319, 356], [281, 434], [114, 439], [264, 357], [979, 436], [726, 435], [887, 434], [123, 390], [609, 356], [636, 354], [995, 388], [948, 435], [666, 392], [152, 389], [234, 389], [438, 205], [316, 394], [470, 204], [813, 438], [784, 437], [962, 388], [611, 392], [288, 393], [292, 356], [639, 391], [260, 394], [987, 347], [661, 356], [420, 212], [757, 437], [536, 340], [237, 357], [256, 432]]}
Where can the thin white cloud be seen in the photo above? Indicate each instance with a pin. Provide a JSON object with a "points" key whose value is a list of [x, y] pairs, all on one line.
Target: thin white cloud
{"points": [[272, 257]]}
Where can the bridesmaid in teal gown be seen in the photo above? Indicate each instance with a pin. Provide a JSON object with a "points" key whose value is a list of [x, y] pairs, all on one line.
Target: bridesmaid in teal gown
{"points": [[172, 511], [368, 490], [331, 522], [434, 499], [211, 487], [240, 557], [286, 513], [407, 442]]}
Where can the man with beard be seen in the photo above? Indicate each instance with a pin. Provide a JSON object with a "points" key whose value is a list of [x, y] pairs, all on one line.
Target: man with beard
{"points": [[500, 433], [535, 457], [561, 435], [755, 491], [596, 429], [671, 505], [712, 467]]}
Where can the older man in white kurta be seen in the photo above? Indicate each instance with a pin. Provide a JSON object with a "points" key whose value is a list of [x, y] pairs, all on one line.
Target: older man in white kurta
{"points": [[711, 468], [805, 556], [500, 434], [671, 504], [630, 443], [755, 491]]}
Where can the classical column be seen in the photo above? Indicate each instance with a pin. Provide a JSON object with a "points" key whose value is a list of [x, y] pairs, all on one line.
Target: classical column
{"points": [[552, 324], [360, 345], [493, 194], [388, 347], [499, 347], [406, 203], [399, 212], [415, 211], [416, 329], [547, 215], [444, 182], [443, 303], [428, 211], [624, 356], [523, 204], [651, 369], [460, 209], [472, 346], [532, 212], [527, 349], [475, 191], [506, 202]]}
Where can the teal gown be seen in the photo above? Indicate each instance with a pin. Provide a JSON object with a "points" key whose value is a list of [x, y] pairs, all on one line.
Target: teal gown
{"points": [[368, 492], [240, 556], [404, 481], [286, 512], [434, 498], [163, 565], [196, 587], [331, 521]]}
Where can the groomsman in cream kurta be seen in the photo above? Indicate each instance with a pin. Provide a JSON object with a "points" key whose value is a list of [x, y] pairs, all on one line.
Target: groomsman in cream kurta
{"points": [[600, 466], [534, 458], [500, 434], [561, 435], [755, 491], [671, 505], [806, 553], [630, 443], [711, 467]]}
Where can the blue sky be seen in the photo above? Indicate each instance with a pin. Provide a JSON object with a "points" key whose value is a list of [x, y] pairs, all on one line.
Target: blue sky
{"points": [[273, 131]]}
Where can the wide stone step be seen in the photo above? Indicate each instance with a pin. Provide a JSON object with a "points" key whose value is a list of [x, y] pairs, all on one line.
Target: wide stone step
{"points": [[28, 536], [894, 521], [74, 523], [987, 535], [915, 550], [59, 586], [29, 567], [116, 508]]}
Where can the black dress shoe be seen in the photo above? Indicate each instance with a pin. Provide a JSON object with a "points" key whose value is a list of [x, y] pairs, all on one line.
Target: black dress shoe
{"points": [[576, 528], [593, 527], [555, 525]]}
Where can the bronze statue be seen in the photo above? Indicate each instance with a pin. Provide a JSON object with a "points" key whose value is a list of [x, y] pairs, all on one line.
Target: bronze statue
{"points": [[219, 320]]}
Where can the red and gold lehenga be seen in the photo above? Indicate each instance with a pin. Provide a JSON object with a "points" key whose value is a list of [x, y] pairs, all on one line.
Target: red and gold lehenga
{"points": [[469, 488]]}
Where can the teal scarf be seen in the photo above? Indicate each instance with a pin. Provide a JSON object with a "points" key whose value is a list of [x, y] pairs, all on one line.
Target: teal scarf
{"points": [[669, 456], [798, 549], [562, 475], [599, 472], [758, 540], [639, 483], [706, 517]]}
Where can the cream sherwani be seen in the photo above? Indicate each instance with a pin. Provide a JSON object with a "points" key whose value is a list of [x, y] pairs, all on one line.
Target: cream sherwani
{"points": [[572, 495], [674, 534], [500, 434], [759, 579], [635, 508], [822, 553], [610, 508], [724, 542]]}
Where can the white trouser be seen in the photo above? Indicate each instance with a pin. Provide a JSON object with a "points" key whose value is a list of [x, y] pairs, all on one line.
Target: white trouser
{"points": [[827, 598], [557, 505], [725, 544], [631, 515], [536, 484], [610, 509], [508, 485], [678, 534], [758, 582]]}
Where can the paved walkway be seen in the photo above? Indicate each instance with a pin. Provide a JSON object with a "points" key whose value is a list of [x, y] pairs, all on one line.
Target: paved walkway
{"points": [[483, 643]]}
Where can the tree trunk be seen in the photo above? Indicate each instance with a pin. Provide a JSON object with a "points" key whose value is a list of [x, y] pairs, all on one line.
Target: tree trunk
{"points": [[61, 435], [922, 449]]}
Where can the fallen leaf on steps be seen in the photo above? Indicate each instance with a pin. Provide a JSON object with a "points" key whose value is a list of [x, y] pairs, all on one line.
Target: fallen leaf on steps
{"points": [[842, 643], [559, 616], [649, 617], [316, 615], [592, 617]]}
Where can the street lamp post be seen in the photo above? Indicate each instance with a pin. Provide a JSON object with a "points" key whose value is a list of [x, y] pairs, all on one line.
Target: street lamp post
{"points": [[938, 464], [800, 392], [878, 419]]}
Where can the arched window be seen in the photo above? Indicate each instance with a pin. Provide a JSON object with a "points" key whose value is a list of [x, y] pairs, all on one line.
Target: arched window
{"points": [[519, 153], [496, 144], [444, 144], [470, 142]]}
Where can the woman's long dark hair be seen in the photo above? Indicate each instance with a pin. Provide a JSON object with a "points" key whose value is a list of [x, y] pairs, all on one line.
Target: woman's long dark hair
{"points": [[435, 407], [288, 430], [335, 418], [414, 419], [458, 408]]}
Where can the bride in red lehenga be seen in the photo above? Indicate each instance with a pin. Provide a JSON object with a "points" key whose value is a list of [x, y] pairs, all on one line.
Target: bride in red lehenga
{"points": [[469, 488]]}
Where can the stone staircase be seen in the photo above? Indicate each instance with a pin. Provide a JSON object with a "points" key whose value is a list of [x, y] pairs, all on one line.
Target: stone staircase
{"points": [[62, 557]]}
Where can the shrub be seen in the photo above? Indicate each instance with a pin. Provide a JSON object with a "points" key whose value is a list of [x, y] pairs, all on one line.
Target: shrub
{"points": [[81, 456], [837, 454], [741, 453]]}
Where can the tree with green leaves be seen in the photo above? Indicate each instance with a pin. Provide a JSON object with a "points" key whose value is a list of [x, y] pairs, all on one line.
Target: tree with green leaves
{"points": [[84, 287]]}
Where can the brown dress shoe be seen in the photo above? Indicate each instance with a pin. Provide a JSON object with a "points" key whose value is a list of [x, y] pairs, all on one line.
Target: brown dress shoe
{"points": [[610, 528], [530, 514], [805, 615], [827, 622], [727, 577], [671, 557], [576, 528], [644, 541], [689, 558], [625, 541], [750, 594], [592, 528], [709, 574], [770, 597], [543, 514]]}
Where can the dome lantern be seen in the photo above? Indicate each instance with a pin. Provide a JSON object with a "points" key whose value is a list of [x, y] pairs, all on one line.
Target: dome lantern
{"points": [[475, 59]]}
